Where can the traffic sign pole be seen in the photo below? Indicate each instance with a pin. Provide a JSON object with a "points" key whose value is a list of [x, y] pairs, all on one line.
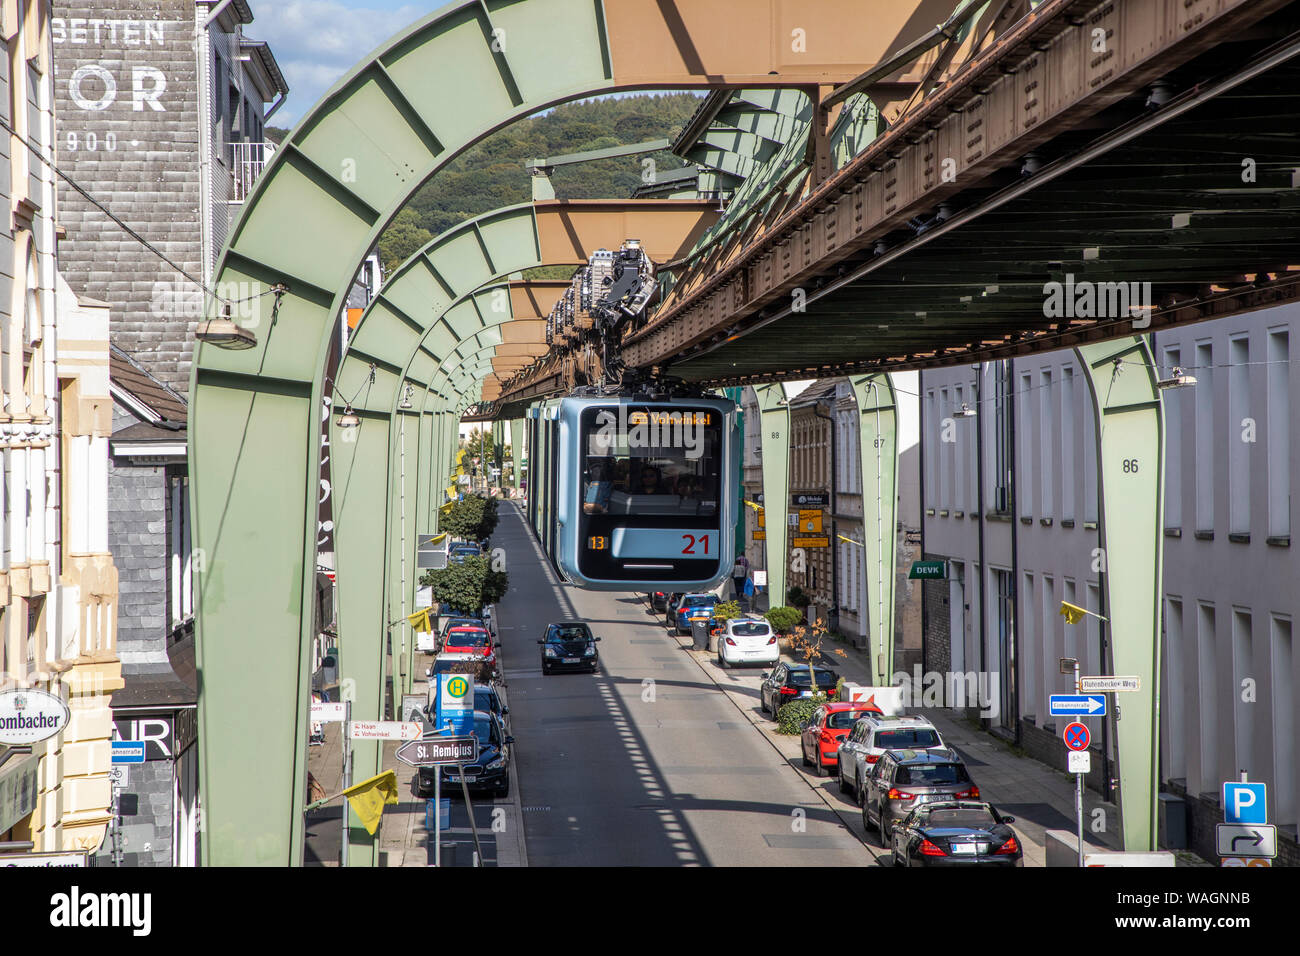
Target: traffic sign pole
{"points": [[1078, 786], [347, 778]]}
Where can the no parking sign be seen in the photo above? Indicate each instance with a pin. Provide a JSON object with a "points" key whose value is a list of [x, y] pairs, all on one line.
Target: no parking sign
{"points": [[1076, 736]]}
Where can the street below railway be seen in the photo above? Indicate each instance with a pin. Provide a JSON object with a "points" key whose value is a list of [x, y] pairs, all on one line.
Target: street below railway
{"points": [[644, 763]]}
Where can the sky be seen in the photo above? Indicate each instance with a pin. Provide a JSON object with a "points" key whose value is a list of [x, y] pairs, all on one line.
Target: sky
{"points": [[317, 41]]}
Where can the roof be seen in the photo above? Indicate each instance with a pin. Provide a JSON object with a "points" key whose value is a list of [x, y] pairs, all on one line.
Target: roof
{"points": [[161, 685], [164, 405], [267, 59], [943, 755], [816, 392]]}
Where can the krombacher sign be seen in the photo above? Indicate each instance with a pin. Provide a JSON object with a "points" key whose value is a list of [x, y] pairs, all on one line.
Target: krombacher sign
{"points": [[29, 716]]}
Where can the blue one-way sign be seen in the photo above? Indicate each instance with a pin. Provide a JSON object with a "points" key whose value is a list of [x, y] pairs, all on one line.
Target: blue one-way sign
{"points": [[1077, 705]]}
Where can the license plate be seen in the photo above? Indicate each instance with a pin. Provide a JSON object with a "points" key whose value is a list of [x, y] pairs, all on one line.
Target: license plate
{"points": [[571, 660], [452, 778], [963, 849], [806, 693]]}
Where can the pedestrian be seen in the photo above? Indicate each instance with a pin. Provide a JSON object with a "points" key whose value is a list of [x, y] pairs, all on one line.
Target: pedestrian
{"points": [[738, 574]]}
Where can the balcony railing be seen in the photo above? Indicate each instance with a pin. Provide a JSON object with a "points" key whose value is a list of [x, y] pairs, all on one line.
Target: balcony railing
{"points": [[248, 160]]}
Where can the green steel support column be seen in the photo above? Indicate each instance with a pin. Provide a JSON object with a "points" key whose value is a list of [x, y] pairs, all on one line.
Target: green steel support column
{"points": [[736, 395], [774, 415], [878, 448], [359, 459], [498, 446], [1130, 471], [517, 448]]}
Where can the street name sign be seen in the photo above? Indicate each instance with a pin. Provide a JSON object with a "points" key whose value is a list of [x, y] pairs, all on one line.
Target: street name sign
{"points": [[1109, 685], [1076, 705], [1253, 840], [128, 751], [384, 730], [431, 751]]}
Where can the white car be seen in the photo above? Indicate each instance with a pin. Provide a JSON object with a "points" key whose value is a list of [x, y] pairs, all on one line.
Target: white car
{"points": [[747, 640], [871, 736]]}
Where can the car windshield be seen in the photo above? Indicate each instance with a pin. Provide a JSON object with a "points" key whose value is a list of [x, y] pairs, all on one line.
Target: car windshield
{"points": [[485, 699], [700, 600], [751, 630], [844, 719], [467, 637], [959, 817], [825, 679], [916, 739], [485, 730], [932, 775], [569, 632]]}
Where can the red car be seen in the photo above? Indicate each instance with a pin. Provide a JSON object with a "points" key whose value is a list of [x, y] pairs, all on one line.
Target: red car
{"points": [[468, 639], [828, 725]]}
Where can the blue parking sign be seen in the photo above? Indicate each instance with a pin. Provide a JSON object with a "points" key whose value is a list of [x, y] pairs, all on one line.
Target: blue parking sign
{"points": [[1245, 802]]}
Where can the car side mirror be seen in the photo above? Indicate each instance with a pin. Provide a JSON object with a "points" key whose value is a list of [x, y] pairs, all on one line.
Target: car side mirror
{"points": [[595, 638], [1008, 819], [766, 675], [497, 644], [541, 642], [509, 740], [505, 711]]}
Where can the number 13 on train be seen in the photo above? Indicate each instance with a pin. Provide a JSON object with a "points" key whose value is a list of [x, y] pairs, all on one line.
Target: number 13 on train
{"points": [[633, 494]]}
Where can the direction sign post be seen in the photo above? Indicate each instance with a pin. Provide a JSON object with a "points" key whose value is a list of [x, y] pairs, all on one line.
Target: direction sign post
{"points": [[1246, 840]]}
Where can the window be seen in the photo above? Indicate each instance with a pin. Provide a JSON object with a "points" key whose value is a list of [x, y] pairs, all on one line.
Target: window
{"points": [[1206, 454], [1208, 778], [1048, 436], [1285, 718], [1003, 468], [945, 427], [181, 596], [1026, 426], [1243, 670], [932, 463], [1241, 435], [1279, 433], [961, 452], [1067, 444], [1174, 696], [1173, 399]]}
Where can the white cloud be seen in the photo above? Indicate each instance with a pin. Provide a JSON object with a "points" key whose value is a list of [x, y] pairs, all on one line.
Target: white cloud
{"points": [[317, 41]]}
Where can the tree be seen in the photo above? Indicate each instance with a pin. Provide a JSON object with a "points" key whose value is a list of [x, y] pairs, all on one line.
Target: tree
{"points": [[402, 239], [808, 643], [466, 586], [473, 518]]}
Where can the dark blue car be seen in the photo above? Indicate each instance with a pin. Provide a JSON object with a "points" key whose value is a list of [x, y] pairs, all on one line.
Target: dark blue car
{"points": [[694, 605]]}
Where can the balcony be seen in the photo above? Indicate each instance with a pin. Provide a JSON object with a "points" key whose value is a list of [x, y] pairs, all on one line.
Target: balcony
{"points": [[247, 163]]}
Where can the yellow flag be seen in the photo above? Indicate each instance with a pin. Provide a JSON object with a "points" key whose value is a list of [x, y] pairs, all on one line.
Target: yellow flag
{"points": [[419, 621], [1073, 614], [369, 797]]}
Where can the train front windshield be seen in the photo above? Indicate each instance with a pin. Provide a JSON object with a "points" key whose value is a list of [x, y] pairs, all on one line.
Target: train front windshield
{"points": [[651, 505]]}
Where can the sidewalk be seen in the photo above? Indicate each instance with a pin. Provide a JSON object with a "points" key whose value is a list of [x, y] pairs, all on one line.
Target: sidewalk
{"points": [[1038, 796]]}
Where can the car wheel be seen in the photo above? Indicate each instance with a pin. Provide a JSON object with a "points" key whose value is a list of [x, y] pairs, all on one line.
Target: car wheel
{"points": [[844, 787], [504, 790], [804, 756], [546, 670], [818, 769], [886, 831], [866, 820], [722, 661]]}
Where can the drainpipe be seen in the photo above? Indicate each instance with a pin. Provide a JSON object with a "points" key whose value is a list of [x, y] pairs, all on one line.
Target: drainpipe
{"points": [[979, 496], [920, 453], [1009, 392], [833, 615]]}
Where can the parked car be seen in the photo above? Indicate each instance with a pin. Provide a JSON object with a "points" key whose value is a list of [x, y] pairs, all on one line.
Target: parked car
{"points": [[569, 645], [902, 780], [671, 600], [491, 771], [693, 607], [789, 682], [476, 641], [744, 640], [459, 552], [828, 725], [871, 736], [955, 833], [659, 599]]}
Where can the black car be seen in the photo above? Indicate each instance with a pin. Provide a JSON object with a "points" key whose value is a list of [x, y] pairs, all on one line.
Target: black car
{"points": [[956, 833], [491, 771], [671, 600], [487, 698], [568, 645], [659, 599], [790, 682]]}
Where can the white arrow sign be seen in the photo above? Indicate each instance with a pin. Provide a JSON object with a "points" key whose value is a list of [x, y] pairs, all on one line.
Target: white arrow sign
{"points": [[384, 730], [330, 712], [1253, 840], [1109, 685]]}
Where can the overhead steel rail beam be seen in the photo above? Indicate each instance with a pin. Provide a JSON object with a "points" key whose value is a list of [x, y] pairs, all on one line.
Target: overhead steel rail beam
{"points": [[968, 121]]}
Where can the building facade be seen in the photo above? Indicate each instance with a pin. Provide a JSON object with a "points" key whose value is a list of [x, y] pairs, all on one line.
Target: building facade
{"points": [[163, 105], [58, 585], [1011, 504]]}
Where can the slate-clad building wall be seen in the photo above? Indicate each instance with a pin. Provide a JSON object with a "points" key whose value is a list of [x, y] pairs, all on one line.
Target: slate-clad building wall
{"points": [[127, 94]]}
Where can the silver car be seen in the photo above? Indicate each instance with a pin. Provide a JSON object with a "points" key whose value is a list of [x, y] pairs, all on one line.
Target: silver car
{"points": [[872, 736]]}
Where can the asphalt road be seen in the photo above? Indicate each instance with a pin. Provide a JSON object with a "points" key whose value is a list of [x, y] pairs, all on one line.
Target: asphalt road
{"points": [[646, 762]]}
